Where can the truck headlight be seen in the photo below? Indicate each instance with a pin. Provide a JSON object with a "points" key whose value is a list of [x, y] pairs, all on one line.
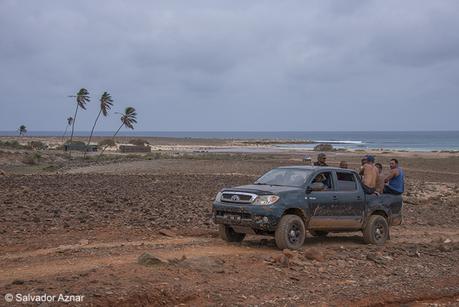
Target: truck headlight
{"points": [[264, 200], [219, 196]]}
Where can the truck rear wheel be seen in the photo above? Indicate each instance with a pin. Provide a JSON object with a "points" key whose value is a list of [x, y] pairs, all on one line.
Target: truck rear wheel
{"points": [[228, 234], [290, 232], [376, 231]]}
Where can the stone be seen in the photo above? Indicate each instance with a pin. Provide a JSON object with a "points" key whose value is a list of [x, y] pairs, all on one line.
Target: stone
{"points": [[204, 264], [282, 260], [148, 259], [288, 253], [166, 232], [84, 242], [314, 254]]}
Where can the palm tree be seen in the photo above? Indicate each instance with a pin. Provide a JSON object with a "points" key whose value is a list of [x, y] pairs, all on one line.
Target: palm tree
{"points": [[22, 130], [106, 102], [69, 123], [82, 97], [128, 119]]}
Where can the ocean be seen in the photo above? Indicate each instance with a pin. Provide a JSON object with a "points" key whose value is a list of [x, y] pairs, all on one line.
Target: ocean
{"points": [[387, 140]]}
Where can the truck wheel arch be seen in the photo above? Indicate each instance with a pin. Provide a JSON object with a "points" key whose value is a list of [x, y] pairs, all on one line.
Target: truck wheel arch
{"points": [[381, 212], [299, 212]]}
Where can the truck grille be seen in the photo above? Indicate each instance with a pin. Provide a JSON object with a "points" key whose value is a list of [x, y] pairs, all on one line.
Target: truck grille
{"points": [[238, 197]]}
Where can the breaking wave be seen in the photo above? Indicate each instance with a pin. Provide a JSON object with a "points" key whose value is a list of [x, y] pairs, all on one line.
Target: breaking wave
{"points": [[339, 142]]}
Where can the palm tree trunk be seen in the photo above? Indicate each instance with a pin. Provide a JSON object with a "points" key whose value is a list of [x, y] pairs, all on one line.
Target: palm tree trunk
{"points": [[105, 147], [73, 128], [65, 132], [92, 131]]}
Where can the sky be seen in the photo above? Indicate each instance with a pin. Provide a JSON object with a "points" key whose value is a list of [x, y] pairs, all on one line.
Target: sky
{"points": [[232, 65]]}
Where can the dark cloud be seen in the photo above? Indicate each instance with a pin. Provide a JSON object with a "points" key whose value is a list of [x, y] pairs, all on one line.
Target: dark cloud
{"points": [[200, 65]]}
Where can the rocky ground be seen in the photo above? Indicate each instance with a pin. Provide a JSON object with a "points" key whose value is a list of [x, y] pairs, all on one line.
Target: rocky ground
{"points": [[81, 230]]}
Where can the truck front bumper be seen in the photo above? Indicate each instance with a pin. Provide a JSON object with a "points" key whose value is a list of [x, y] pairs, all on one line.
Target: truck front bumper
{"points": [[263, 218]]}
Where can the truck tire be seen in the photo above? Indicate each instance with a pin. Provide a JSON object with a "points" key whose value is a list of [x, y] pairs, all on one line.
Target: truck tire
{"points": [[376, 231], [318, 233], [290, 232], [228, 234]]}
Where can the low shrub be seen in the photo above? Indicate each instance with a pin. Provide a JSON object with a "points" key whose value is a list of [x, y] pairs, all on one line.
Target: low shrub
{"points": [[38, 145], [107, 142], [323, 147], [13, 145], [31, 159], [78, 143]]}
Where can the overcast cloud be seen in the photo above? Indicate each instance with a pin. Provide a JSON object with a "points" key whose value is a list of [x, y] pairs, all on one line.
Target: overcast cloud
{"points": [[233, 65]]}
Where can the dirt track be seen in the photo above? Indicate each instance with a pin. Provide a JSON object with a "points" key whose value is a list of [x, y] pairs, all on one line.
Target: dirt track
{"points": [[82, 231]]}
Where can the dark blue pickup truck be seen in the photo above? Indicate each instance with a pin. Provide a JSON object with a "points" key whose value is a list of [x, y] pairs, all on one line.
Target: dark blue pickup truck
{"points": [[288, 201]]}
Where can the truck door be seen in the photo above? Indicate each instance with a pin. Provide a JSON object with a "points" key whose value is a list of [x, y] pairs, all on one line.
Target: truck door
{"points": [[321, 203], [350, 201]]}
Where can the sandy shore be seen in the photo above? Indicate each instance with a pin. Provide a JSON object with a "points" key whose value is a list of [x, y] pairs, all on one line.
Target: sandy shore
{"points": [[228, 145]]}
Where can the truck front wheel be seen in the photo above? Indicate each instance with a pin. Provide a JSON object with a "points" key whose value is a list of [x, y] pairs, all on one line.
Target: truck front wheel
{"points": [[228, 234], [376, 231], [290, 232]]}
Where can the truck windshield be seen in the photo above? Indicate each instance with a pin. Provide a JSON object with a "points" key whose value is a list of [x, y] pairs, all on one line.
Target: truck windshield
{"points": [[285, 177]]}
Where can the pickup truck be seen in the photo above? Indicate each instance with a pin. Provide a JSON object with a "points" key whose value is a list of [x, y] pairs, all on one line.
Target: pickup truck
{"points": [[289, 201]]}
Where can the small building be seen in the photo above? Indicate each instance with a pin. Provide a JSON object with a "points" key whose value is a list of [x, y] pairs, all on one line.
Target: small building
{"points": [[80, 147], [134, 148]]}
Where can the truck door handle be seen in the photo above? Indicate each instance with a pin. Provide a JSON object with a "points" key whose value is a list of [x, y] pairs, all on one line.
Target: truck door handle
{"points": [[359, 198], [334, 197]]}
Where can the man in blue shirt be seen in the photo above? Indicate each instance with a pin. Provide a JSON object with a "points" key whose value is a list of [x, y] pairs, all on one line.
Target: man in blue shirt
{"points": [[395, 181]]}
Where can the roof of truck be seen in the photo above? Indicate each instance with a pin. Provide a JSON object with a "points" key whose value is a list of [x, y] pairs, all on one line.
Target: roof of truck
{"points": [[313, 168]]}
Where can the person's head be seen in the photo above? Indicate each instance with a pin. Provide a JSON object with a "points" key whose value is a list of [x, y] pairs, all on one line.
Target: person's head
{"points": [[320, 178], [322, 157], [343, 164], [364, 161], [370, 159], [379, 166], [393, 163]]}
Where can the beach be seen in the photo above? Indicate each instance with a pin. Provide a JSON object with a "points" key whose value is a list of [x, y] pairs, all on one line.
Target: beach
{"points": [[79, 225]]}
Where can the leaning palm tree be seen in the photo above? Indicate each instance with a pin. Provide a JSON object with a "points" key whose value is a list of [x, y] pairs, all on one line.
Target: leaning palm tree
{"points": [[22, 130], [106, 102], [82, 97], [69, 123], [128, 119]]}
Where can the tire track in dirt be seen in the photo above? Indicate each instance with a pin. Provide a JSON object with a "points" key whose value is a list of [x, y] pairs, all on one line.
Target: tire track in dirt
{"points": [[21, 265]]}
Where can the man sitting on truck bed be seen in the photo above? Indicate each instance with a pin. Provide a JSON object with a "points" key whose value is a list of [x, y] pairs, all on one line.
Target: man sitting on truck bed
{"points": [[395, 181], [369, 174]]}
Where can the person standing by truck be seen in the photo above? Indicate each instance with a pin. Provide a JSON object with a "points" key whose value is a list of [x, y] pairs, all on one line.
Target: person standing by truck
{"points": [[321, 158], [395, 182], [343, 164]]}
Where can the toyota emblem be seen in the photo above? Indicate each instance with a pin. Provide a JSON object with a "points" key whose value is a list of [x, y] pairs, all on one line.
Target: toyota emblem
{"points": [[235, 198]]}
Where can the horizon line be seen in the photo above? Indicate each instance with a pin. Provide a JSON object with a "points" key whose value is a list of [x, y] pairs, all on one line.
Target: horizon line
{"points": [[174, 131]]}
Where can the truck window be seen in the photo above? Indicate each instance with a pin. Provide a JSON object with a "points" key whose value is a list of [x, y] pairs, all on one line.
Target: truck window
{"points": [[346, 181], [326, 179]]}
